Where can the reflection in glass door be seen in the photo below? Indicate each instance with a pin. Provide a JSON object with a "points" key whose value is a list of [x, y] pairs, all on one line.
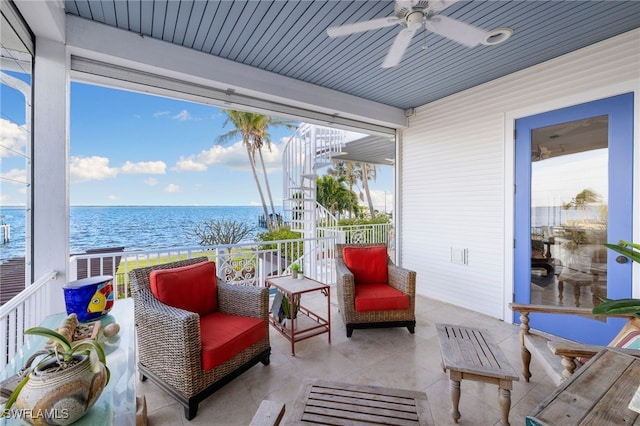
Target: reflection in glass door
{"points": [[574, 192], [569, 181]]}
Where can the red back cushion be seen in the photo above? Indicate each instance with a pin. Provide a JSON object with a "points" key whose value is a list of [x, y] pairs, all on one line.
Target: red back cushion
{"points": [[192, 288], [368, 264]]}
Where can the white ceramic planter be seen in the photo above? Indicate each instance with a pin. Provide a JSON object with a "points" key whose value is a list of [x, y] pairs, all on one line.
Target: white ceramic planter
{"points": [[61, 397]]}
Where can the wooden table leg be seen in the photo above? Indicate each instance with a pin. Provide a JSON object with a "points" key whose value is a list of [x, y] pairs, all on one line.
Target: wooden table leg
{"points": [[455, 377], [504, 399]]}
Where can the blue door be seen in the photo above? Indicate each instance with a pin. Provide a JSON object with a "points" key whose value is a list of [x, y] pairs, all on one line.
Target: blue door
{"points": [[574, 192]]}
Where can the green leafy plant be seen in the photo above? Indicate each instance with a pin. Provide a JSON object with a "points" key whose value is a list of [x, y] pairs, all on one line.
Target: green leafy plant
{"points": [[65, 353], [295, 267], [627, 306], [626, 248], [290, 250], [290, 307]]}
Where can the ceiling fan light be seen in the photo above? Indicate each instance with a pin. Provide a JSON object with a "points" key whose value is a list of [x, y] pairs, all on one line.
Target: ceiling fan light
{"points": [[497, 36]]}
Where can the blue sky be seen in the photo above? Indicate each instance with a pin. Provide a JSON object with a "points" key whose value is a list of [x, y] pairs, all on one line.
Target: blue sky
{"points": [[134, 149]]}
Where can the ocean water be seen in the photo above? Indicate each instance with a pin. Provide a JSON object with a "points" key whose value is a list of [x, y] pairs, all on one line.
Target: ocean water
{"points": [[132, 227]]}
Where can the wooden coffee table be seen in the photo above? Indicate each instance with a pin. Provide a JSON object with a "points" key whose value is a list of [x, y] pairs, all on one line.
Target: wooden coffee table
{"points": [[597, 394], [470, 353], [328, 402]]}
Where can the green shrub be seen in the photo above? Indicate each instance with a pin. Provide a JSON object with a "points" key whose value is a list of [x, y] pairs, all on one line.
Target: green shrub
{"points": [[359, 221], [291, 251]]}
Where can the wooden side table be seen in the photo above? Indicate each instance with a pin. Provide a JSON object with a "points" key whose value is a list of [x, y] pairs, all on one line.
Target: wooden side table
{"points": [[470, 353], [597, 394], [309, 323]]}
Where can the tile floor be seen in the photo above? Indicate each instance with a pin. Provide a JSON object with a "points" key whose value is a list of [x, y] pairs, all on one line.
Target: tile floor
{"points": [[384, 357]]}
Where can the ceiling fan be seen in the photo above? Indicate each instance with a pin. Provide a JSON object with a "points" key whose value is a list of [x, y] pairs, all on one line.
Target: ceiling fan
{"points": [[412, 14]]}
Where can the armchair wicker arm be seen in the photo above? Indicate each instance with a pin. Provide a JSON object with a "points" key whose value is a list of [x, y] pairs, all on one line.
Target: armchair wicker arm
{"points": [[402, 279], [243, 300], [165, 331], [346, 288]]}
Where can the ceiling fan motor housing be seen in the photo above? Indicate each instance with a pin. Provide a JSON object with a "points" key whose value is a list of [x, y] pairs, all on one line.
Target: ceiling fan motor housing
{"points": [[403, 8]]}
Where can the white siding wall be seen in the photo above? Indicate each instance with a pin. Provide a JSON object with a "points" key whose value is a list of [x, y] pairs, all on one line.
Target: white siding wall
{"points": [[457, 163]]}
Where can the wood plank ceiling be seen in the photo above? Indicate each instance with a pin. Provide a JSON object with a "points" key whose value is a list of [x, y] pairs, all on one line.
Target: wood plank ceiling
{"points": [[289, 38]]}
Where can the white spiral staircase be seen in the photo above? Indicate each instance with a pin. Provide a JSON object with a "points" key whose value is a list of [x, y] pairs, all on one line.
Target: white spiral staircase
{"points": [[308, 150]]}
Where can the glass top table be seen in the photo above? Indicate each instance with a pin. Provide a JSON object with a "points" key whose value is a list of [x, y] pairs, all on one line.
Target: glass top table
{"points": [[117, 404]]}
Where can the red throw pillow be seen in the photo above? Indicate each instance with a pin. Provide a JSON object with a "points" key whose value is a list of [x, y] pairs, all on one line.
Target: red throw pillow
{"points": [[192, 288], [368, 264]]}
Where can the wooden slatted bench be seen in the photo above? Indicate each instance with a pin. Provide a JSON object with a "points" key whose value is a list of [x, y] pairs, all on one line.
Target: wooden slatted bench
{"points": [[327, 402], [269, 413], [470, 353]]}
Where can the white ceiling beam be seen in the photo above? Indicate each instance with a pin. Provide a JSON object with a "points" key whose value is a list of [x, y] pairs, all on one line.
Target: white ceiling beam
{"points": [[103, 43], [45, 18]]}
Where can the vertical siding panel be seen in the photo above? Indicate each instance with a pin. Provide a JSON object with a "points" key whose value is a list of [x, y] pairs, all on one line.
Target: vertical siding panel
{"points": [[453, 170]]}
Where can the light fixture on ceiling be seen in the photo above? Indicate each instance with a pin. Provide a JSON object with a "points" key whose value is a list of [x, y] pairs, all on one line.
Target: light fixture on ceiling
{"points": [[497, 36], [541, 153]]}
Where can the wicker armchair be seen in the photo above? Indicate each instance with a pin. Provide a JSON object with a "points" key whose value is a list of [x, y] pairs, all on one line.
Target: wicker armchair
{"points": [[401, 279], [169, 348]]}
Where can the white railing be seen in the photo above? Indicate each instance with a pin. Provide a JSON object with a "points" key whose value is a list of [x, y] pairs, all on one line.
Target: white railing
{"points": [[25, 310], [248, 263], [362, 234], [324, 218]]}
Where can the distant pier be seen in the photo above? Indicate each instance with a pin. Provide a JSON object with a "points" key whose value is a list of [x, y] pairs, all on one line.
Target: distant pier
{"points": [[5, 231], [262, 221]]}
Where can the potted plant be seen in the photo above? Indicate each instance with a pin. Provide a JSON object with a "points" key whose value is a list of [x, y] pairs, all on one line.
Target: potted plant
{"points": [[64, 384], [290, 311], [621, 306], [295, 270]]}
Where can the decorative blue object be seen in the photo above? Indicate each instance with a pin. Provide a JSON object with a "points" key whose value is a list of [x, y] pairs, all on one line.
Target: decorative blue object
{"points": [[89, 298]]}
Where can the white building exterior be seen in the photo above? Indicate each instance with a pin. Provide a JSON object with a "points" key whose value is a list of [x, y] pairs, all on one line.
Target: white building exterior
{"points": [[456, 170]]}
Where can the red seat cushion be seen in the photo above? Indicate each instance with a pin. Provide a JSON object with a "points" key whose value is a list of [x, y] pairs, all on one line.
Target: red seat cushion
{"points": [[368, 264], [379, 297], [192, 288], [224, 335]]}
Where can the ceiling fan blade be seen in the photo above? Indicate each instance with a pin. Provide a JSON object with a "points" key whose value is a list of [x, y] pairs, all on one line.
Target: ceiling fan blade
{"points": [[358, 27], [455, 30], [400, 44]]}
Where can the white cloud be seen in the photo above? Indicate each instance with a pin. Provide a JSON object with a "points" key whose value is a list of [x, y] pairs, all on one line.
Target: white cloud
{"points": [[189, 165], [91, 168], [184, 115], [235, 158], [113, 197], [98, 168], [172, 188], [161, 113], [254, 203], [15, 176], [13, 138], [151, 181], [378, 199], [144, 167]]}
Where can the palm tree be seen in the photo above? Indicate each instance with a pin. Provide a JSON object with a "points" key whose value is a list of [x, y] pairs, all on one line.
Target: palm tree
{"points": [[354, 172], [368, 171], [335, 196], [262, 137], [245, 126]]}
